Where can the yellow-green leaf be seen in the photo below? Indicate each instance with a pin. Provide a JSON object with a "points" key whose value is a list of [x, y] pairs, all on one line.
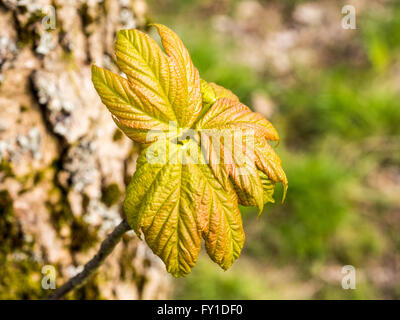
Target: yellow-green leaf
{"points": [[159, 202], [228, 114], [229, 153], [269, 162], [203, 152], [218, 215], [130, 109], [189, 108], [268, 186], [221, 92], [173, 198], [149, 70], [207, 94], [221, 224]]}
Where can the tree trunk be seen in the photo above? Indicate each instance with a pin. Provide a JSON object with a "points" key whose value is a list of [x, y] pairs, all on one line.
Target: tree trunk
{"points": [[63, 164]]}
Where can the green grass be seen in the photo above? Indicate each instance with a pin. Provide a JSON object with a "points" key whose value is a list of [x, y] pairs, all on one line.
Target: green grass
{"points": [[208, 281]]}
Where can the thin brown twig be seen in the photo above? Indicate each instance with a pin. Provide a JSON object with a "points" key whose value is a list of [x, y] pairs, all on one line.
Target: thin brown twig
{"points": [[107, 246]]}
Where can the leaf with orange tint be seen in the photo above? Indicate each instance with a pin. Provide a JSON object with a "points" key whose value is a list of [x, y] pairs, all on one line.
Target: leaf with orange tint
{"points": [[204, 152]]}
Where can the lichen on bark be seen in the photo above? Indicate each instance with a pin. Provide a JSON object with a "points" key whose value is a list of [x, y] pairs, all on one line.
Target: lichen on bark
{"points": [[61, 162]]}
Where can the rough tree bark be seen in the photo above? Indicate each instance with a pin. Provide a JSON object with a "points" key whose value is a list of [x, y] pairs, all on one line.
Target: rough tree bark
{"points": [[63, 164]]}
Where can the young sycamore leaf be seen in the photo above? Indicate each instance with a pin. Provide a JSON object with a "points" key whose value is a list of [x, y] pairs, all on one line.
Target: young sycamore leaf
{"points": [[205, 152]]}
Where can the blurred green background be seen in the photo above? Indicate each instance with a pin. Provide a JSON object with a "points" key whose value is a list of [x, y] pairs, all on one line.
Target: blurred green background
{"points": [[334, 96]]}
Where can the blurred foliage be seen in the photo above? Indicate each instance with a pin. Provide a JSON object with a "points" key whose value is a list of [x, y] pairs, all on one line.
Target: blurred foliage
{"points": [[339, 125], [229, 285]]}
